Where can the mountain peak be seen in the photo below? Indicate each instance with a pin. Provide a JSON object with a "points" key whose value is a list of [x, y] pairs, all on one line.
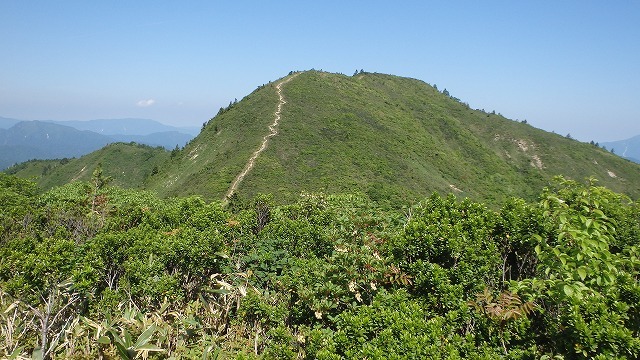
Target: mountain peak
{"points": [[392, 138], [384, 135]]}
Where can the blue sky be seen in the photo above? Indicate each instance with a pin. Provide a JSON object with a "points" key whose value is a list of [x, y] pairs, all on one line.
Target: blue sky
{"points": [[564, 66]]}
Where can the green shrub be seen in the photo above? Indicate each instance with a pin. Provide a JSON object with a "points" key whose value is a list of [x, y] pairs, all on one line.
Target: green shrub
{"points": [[457, 237]]}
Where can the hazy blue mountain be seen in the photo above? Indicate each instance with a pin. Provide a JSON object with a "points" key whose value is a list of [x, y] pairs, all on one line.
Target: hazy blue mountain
{"points": [[25, 140], [126, 126], [166, 139], [6, 123], [629, 148], [42, 140]]}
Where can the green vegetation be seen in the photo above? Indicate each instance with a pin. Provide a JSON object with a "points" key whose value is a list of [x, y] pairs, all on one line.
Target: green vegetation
{"points": [[394, 139], [208, 164], [130, 165], [362, 250], [91, 270]]}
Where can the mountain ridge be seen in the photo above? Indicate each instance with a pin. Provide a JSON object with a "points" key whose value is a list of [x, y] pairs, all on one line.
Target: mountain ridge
{"points": [[35, 139], [125, 126], [390, 137], [273, 131], [116, 126], [627, 148]]}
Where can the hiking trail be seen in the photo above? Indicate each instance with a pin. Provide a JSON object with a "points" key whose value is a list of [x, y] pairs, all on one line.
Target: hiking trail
{"points": [[273, 131]]}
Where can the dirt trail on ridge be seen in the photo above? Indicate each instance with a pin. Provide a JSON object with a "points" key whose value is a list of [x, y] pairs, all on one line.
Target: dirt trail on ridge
{"points": [[273, 131]]}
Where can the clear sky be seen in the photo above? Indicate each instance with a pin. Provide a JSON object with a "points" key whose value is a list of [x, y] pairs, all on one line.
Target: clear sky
{"points": [[564, 66]]}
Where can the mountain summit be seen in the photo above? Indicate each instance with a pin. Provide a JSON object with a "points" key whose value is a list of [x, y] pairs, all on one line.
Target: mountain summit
{"points": [[387, 136]]}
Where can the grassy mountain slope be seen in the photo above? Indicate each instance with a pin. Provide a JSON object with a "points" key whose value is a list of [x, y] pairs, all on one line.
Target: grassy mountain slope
{"points": [[128, 164], [385, 135], [210, 162]]}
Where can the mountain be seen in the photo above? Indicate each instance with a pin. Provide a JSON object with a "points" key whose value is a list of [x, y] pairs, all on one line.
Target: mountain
{"points": [[126, 126], [41, 140], [128, 164], [142, 131], [26, 140], [166, 139], [6, 123], [389, 137], [628, 149]]}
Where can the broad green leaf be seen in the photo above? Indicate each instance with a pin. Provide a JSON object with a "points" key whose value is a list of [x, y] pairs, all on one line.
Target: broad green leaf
{"points": [[14, 355], [128, 341], [563, 218], [123, 351], [37, 354], [117, 339], [582, 272], [568, 290], [164, 306], [145, 336], [610, 278], [104, 340]]}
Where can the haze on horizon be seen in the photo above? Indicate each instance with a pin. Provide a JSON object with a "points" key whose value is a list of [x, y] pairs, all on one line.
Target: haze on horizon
{"points": [[569, 67]]}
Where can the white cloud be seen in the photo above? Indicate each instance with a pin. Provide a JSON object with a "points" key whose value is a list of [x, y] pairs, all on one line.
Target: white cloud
{"points": [[145, 103]]}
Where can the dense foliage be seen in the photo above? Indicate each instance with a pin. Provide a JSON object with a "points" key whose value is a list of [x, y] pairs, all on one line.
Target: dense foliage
{"points": [[89, 270]]}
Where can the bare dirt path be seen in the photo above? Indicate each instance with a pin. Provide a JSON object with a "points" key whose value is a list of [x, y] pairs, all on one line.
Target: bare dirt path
{"points": [[273, 131]]}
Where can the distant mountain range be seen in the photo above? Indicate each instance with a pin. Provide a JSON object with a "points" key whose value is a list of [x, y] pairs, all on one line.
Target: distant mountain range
{"points": [[25, 140], [126, 127], [6, 123], [628, 149]]}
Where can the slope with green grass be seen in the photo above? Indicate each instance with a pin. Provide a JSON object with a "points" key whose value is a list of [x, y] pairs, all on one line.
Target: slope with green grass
{"points": [[129, 165], [393, 138], [210, 162], [388, 136]]}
